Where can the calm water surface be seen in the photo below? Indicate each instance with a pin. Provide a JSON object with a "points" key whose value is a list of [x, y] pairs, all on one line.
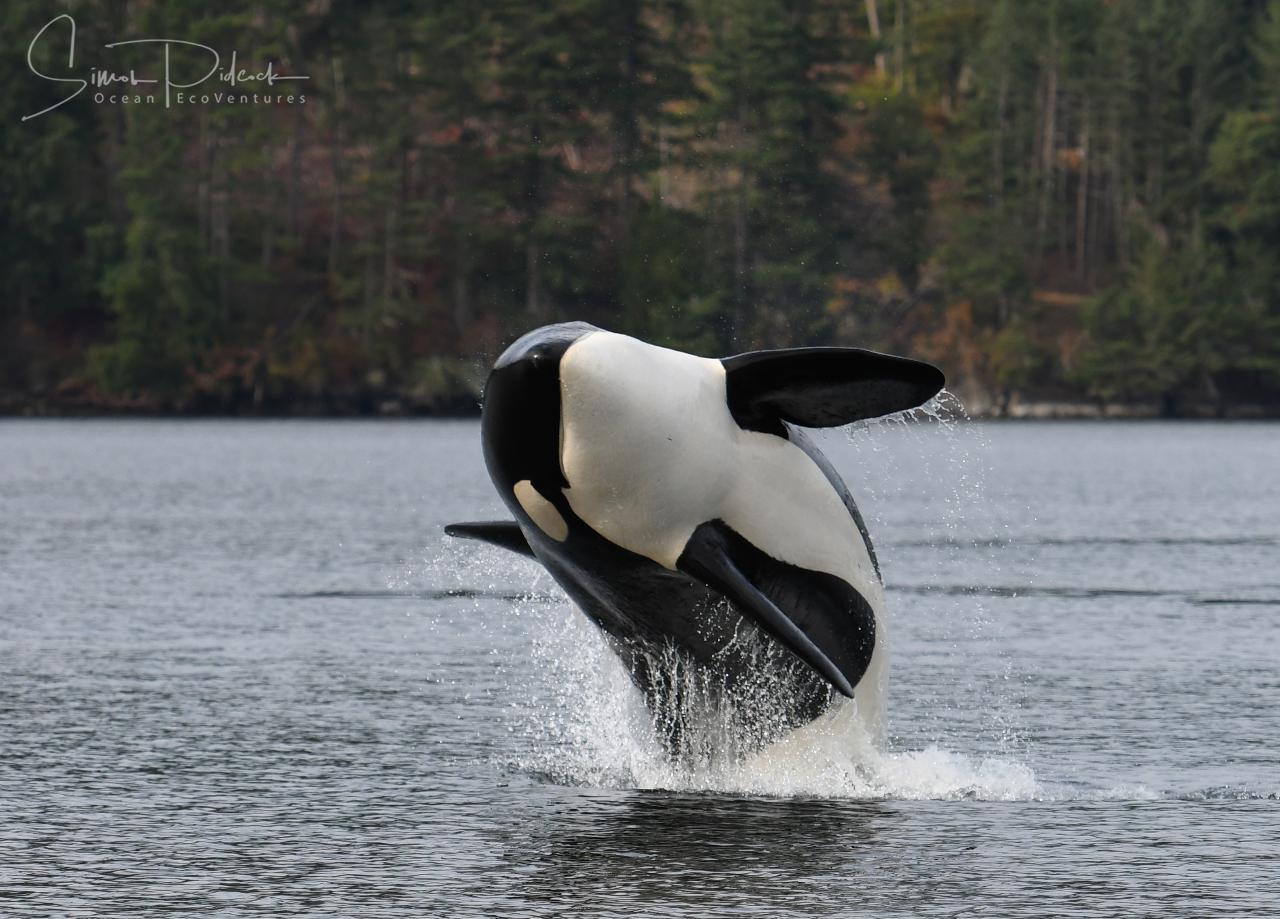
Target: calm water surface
{"points": [[242, 674]]}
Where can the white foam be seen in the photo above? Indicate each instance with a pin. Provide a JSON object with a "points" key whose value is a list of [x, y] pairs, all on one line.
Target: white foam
{"points": [[600, 735]]}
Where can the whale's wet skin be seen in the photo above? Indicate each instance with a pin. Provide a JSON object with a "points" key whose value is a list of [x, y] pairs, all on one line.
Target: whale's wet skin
{"points": [[241, 674], [679, 505]]}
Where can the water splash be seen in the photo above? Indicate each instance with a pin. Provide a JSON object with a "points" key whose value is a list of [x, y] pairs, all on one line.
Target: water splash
{"points": [[583, 722], [966, 539], [598, 733]]}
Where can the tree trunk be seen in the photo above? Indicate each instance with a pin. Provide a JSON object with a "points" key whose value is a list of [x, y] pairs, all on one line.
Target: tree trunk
{"points": [[1060, 190], [1082, 197], [873, 22], [739, 240], [628, 127], [739, 265], [336, 163], [533, 302], [461, 279], [335, 211], [1002, 131], [366, 315], [203, 193], [1116, 190], [294, 205], [900, 47], [395, 221], [664, 156], [220, 235], [533, 278], [391, 243], [1048, 148], [268, 218]]}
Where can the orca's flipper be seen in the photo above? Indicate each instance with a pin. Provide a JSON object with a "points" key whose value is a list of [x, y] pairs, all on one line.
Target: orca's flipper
{"points": [[824, 387], [503, 533], [818, 617]]}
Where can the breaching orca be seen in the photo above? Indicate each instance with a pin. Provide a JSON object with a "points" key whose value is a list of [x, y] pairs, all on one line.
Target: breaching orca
{"points": [[676, 501]]}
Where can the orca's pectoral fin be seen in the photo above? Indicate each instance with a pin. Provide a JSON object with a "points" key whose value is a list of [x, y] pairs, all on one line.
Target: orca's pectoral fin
{"points": [[824, 387], [504, 533], [708, 557]]}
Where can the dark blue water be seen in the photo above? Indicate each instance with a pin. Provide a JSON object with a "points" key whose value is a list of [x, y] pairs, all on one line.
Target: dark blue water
{"points": [[241, 674]]}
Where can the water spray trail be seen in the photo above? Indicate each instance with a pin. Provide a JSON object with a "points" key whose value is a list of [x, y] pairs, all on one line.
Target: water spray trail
{"points": [[933, 450]]}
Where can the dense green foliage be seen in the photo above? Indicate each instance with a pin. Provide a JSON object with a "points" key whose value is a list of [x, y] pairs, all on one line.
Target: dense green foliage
{"points": [[1060, 199]]}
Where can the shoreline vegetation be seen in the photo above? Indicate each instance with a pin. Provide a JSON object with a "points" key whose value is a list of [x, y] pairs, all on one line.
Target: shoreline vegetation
{"points": [[1071, 207], [465, 403]]}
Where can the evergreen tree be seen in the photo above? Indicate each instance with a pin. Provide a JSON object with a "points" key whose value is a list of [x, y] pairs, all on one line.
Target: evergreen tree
{"points": [[772, 118], [54, 206], [1075, 193]]}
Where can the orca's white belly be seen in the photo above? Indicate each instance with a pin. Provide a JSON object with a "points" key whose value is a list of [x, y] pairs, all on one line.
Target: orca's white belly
{"points": [[651, 451]]}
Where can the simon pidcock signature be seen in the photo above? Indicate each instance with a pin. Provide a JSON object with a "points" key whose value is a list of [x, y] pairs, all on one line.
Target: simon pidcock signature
{"points": [[232, 86]]}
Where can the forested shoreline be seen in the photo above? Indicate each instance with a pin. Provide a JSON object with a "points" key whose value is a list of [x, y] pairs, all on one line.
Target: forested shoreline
{"points": [[1072, 206]]}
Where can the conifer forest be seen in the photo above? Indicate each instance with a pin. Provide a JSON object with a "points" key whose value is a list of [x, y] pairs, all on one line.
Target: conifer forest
{"points": [[1056, 201]]}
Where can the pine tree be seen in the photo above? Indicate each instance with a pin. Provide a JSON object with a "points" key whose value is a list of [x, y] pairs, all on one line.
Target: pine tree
{"points": [[771, 118], [547, 63], [1245, 176], [54, 205]]}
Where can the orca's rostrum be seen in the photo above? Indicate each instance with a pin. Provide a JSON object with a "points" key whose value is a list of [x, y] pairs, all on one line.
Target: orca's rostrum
{"points": [[680, 506]]}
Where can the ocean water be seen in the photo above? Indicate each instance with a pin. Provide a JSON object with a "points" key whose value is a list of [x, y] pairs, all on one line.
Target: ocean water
{"points": [[242, 673]]}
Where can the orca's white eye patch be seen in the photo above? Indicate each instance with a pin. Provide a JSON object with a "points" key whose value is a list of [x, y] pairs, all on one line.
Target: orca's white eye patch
{"points": [[541, 511]]}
